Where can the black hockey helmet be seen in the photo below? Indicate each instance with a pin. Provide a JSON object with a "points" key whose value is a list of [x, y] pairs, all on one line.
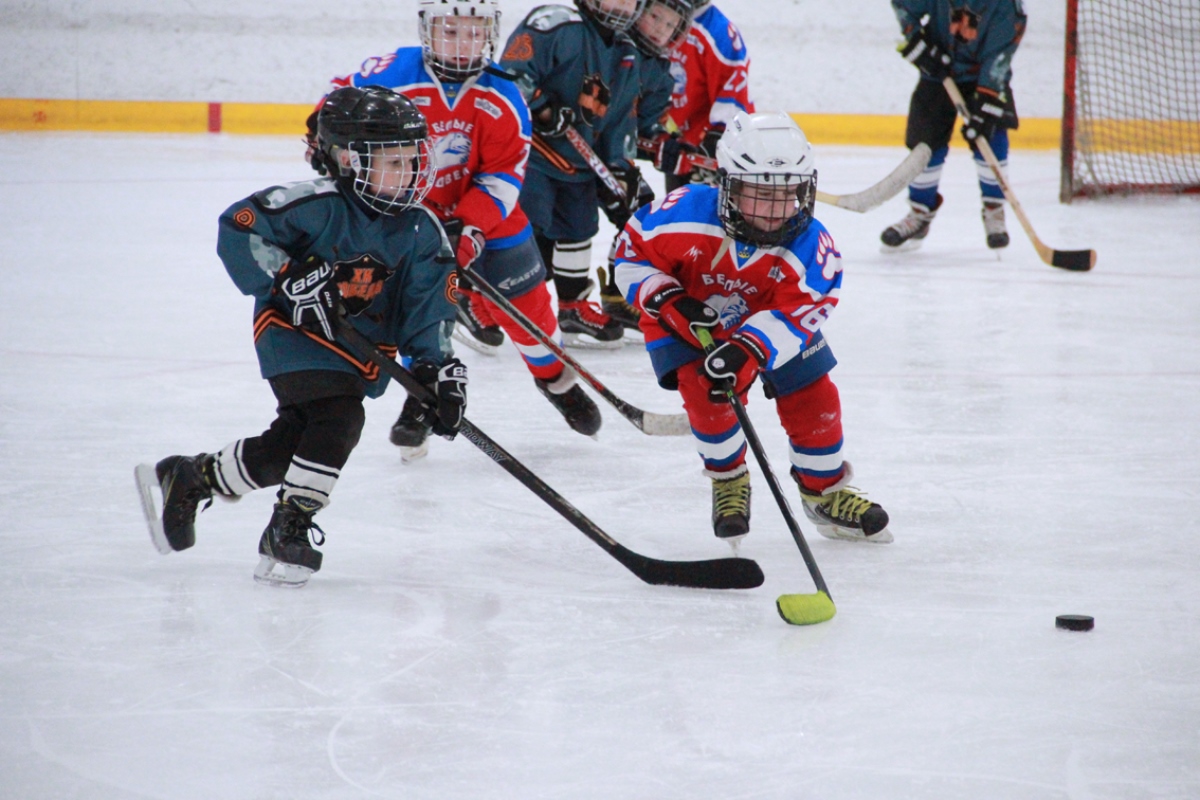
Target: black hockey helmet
{"points": [[613, 15], [663, 25], [376, 144]]}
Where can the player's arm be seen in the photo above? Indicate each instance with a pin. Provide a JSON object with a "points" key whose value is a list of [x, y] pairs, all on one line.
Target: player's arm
{"points": [[256, 237], [1005, 29], [503, 145], [728, 79]]}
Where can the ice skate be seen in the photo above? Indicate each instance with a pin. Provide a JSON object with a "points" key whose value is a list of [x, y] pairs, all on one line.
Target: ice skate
{"points": [[993, 224], [583, 324], [182, 486], [908, 233], [841, 512], [568, 397], [409, 433], [287, 558], [731, 508], [476, 328], [614, 305]]}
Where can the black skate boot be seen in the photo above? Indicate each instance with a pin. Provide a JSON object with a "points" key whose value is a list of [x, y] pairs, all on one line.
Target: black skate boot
{"points": [[409, 433], [185, 482], [566, 395], [286, 556], [583, 324], [613, 304], [907, 233], [731, 506], [476, 328], [841, 512], [993, 224]]}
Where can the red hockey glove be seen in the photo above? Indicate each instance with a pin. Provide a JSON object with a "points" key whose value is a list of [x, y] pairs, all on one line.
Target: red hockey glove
{"points": [[680, 314], [665, 151], [466, 241], [734, 364]]}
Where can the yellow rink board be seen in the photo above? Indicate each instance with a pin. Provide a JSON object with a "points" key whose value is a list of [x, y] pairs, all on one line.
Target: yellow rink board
{"points": [[284, 119]]}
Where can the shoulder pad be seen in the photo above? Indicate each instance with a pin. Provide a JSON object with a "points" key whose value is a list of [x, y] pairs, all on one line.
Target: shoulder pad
{"points": [[280, 197], [547, 18]]}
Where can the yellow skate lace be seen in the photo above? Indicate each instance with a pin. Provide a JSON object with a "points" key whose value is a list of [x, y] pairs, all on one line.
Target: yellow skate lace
{"points": [[732, 495], [846, 504]]}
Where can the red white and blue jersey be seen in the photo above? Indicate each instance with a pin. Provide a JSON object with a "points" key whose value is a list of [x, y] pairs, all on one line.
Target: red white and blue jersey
{"points": [[777, 295], [712, 76], [481, 134]]}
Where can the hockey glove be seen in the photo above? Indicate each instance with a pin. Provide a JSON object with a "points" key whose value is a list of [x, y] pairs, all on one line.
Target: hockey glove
{"points": [[665, 151], [316, 301], [987, 110], [924, 53], [552, 120], [448, 383], [466, 241], [733, 364], [637, 194], [680, 314]]}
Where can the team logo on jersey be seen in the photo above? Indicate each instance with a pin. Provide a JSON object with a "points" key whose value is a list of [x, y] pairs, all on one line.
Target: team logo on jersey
{"points": [[519, 49], [376, 64], [244, 217], [732, 309], [594, 98], [451, 150], [964, 25], [360, 281], [679, 74]]}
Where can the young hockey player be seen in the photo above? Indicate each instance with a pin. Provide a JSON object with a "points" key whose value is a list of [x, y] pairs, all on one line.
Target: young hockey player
{"points": [[480, 128], [747, 261], [357, 243], [579, 75], [972, 41]]}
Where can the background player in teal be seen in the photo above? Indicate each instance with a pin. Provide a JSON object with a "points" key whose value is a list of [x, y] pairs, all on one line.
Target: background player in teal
{"points": [[576, 69], [357, 243], [973, 42]]}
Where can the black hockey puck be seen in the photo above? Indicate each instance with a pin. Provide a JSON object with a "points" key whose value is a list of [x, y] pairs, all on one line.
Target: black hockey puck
{"points": [[1074, 622]]}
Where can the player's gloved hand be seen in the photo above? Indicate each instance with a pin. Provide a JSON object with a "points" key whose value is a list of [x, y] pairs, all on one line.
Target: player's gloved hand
{"points": [[552, 120], [666, 151], [987, 110], [733, 364], [316, 301], [466, 241], [680, 314], [637, 194], [448, 383], [925, 54]]}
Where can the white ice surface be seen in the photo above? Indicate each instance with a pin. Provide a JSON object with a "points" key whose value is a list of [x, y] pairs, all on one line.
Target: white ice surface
{"points": [[1033, 433]]}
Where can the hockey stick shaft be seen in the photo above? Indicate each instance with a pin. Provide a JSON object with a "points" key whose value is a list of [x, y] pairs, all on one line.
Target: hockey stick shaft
{"points": [[1074, 260], [647, 422], [594, 161], [723, 573]]}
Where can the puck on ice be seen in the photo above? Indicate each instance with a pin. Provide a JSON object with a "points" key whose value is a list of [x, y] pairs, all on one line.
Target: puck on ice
{"points": [[1074, 622]]}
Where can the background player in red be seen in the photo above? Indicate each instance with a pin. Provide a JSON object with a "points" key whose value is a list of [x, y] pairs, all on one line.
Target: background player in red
{"points": [[480, 127], [747, 261]]}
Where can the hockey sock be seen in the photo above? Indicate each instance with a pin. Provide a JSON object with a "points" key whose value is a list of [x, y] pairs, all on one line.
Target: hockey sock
{"points": [[534, 304], [572, 263], [989, 187], [719, 438], [924, 188], [812, 417]]}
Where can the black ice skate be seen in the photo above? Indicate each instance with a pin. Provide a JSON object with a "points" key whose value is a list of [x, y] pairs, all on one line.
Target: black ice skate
{"points": [[409, 433], [993, 224], [583, 324], [613, 304], [841, 512], [183, 485], [572, 402], [907, 234], [731, 507], [476, 328], [287, 558]]}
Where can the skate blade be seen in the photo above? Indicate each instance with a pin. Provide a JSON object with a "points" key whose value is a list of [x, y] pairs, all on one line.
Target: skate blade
{"points": [[470, 341], [903, 247], [147, 483], [833, 532], [735, 543], [410, 454], [583, 341], [276, 573]]}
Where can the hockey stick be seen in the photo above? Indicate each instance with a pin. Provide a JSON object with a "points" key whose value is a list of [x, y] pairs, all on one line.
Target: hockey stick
{"points": [[861, 202], [594, 162], [1074, 260], [796, 609], [646, 421], [720, 573]]}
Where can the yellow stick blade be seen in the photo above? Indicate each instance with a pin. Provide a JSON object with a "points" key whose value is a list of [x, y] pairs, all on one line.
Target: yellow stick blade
{"points": [[805, 609]]}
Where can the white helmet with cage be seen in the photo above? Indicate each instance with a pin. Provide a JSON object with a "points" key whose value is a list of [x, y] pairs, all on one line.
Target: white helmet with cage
{"points": [[768, 178], [458, 37], [616, 15]]}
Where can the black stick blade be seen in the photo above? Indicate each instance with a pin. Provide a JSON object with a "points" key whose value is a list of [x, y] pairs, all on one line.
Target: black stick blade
{"points": [[717, 573], [1073, 260]]}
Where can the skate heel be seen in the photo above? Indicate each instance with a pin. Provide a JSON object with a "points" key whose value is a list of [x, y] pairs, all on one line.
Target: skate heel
{"points": [[279, 573]]}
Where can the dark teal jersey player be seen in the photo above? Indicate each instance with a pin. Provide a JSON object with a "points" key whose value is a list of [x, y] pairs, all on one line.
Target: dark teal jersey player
{"points": [[354, 246]]}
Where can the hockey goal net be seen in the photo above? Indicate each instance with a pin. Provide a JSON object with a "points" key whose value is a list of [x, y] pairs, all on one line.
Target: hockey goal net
{"points": [[1131, 98]]}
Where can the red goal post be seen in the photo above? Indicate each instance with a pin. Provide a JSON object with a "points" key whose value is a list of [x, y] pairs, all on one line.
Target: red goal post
{"points": [[1131, 98]]}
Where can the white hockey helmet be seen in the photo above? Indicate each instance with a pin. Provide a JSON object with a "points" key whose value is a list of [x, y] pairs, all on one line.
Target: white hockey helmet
{"points": [[454, 51], [768, 178], [616, 15]]}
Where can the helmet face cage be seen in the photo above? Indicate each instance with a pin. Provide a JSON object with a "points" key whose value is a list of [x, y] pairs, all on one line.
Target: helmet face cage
{"points": [[389, 177], [455, 50], [741, 193], [616, 15], [662, 26]]}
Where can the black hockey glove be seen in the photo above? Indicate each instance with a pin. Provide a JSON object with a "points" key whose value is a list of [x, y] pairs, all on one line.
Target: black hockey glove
{"points": [[987, 110], [316, 301], [922, 52], [443, 415], [680, 314], [733, 364], [551, 121], [666, 151], [637, 194]]}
